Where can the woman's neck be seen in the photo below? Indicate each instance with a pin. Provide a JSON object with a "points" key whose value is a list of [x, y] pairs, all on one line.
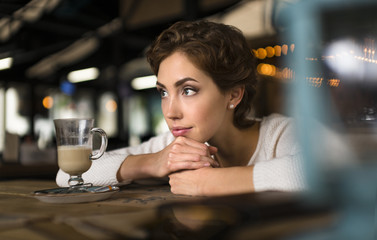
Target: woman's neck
{"points": [[236, 146]]}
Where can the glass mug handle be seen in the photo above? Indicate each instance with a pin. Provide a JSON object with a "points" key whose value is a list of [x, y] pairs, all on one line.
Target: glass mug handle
{"points": [[103, 143]]}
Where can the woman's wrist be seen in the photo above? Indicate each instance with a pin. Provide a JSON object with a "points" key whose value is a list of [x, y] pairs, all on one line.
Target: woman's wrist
{"points": [[225, 181]]}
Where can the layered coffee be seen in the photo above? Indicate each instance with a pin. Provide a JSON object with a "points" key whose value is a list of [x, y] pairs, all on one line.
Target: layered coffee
{"points": [[74, 160]]}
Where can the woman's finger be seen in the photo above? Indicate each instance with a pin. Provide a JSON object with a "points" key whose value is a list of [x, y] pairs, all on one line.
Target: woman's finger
{"points": [[188, 143], [175, 166]]}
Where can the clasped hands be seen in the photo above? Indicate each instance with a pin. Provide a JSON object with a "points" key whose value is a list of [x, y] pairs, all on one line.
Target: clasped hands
{"points": [[186, 161]]}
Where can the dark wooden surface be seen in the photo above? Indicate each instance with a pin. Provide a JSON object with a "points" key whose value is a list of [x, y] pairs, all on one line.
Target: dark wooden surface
{"points": [[21, 215], [147, 212]]}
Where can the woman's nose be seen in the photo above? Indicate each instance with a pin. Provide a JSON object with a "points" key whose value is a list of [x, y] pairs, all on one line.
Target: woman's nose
{"points": [[173, 110]]}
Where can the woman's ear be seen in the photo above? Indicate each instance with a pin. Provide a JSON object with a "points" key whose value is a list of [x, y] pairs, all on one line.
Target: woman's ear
{"points": [[236, 95]]}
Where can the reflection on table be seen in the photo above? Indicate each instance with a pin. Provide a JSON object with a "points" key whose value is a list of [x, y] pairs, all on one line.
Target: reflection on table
{"points": [[153, 212]]}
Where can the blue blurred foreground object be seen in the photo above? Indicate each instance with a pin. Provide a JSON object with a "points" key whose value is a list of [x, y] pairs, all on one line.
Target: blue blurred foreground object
{"points": [[335, 104]]}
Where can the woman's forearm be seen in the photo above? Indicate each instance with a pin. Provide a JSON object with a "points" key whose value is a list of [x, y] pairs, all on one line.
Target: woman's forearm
{"points": [[232, 180], [137, 167], [213, 181]]}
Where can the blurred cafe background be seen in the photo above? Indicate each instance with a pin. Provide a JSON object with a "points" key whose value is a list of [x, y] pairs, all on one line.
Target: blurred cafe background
{"points": [[316, 61], [67, 58]]}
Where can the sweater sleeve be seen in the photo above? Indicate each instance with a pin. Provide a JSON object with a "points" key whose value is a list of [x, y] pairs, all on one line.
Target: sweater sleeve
{"points": [[279, 165], [104, 170], [282, 174]]}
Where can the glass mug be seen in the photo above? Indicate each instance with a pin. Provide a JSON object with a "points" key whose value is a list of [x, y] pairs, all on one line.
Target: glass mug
{"points": [[74, 138]]}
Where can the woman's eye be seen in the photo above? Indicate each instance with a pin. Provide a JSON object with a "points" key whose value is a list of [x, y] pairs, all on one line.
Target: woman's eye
{"points": [[163, 93], [189, 91]]}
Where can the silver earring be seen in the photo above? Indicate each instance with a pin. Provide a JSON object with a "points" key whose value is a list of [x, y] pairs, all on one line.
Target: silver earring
{"points": [[231, 106]]}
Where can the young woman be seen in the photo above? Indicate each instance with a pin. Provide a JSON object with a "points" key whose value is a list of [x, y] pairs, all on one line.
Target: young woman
{"points": [[207, 80]]}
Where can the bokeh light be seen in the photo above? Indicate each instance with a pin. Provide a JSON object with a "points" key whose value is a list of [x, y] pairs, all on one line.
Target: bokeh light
{"points": [[48, 102], [111, 106]]}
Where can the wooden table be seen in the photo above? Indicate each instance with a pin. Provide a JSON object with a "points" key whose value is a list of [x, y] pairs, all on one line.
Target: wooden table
{"points": [[150, 212]]}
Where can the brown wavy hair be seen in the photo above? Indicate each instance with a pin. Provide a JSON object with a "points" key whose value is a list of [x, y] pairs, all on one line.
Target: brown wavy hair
{"points": [[219, 50]]}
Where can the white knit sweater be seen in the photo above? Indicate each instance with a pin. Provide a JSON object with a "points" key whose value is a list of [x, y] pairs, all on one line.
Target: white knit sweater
{"points": [[277, 158]]}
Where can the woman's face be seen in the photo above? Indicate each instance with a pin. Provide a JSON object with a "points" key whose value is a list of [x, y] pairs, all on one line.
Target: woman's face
{"points": [[192, 104]]}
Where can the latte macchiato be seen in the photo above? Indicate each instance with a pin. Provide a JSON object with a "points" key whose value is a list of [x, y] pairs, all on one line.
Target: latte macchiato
{"points": [[74, 160]]}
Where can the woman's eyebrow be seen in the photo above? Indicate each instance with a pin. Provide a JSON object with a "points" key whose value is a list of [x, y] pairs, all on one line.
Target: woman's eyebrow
{"points": [[182, 81], [160, 84], [178, 83]]}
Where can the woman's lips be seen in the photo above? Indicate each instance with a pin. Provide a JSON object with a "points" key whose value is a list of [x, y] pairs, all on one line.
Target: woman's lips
{"points": [[180, 131]]}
